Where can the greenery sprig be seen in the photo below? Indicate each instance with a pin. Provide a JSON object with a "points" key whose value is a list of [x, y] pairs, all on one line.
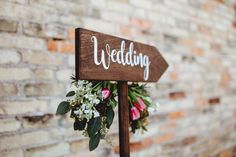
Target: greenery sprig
{"points": [[91, 104]]}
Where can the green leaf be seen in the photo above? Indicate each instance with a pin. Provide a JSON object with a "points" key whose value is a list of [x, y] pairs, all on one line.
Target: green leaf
{"points": [[79, 124], [110, 116], [94, 125], [63, 108], [94, 141], [71, 93]]}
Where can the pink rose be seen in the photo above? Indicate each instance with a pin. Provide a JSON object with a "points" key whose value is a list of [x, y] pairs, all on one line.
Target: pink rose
{"points": [[140, 105], [134, 113], [106, 93]]}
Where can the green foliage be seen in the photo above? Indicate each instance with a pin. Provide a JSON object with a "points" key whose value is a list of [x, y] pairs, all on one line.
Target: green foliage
{"points": [[63, 108], [71, 93], [94, 141], [79, 124], [94, 114], [94, 126], [110, 116]]}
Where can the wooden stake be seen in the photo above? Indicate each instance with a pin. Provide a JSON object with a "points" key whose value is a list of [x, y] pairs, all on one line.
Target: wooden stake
{"points": [[123, 118]]}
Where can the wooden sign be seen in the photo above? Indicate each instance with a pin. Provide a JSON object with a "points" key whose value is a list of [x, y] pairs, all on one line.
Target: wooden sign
{"points": [[105, 57]]}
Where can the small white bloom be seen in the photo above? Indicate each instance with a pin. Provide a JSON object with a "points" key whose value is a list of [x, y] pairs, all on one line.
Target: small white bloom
{"points": [[96, 114], [77, 112], [86, 111]]}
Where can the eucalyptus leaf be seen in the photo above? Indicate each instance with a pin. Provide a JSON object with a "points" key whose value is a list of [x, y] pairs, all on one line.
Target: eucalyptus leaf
{"points": [[63, 108], [94, 141], [94, 126], [71, 93]]}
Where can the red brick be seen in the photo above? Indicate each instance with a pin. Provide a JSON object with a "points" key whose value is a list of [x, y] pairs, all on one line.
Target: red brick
{"points": [[141, 23], [189, 140], [226, 153], [173, 76], [163, 138], [71, 33], [225, 79], [176, 115], [61, 46], [137, 145], [197, 51], [214, 101], [177, 95], [125, 30]]}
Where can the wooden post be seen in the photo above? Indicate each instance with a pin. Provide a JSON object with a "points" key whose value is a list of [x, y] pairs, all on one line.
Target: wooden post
{"points": [[123, 118]]}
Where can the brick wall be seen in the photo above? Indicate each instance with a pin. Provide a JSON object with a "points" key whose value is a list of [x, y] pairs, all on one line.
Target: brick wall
{"points": [[197, 115]]}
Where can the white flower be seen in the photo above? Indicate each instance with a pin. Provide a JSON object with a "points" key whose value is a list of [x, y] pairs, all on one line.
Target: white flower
{"points": [[96, 114], [78, 112], [86, 111], [96, 101]]}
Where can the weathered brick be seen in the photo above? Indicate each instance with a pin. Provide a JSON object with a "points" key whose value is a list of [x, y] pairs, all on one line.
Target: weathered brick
{"points": [[214, 101], [22, 107], [163, 138], [40, 121], [115, 17], [177, 95], [48, 151], [43, 89], [8, 89], [25, 139], [18, 41], [77, 146], [43, 74], [48, 30], [20, 12], [176, 115], [10, 141], [71, 60], [189, 140], [225, 79], [34, 138], [99, 3], [71, 33], [12, 153], [121, 7], [7, 74], [64, 74], [142, 3], [10, 124], [40, 58], [141, 23], [9, 57], [197, 51], [125, 31], [99, 25], [61, 46], [8, 26], [226, 153]]}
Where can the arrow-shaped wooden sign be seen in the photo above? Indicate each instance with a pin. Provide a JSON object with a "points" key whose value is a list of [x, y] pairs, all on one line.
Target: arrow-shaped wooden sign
{"points": [[104, 57]]}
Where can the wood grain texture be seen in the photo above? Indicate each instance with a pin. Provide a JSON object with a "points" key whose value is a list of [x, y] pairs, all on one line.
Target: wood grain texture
{"points": [[123, 119], [87, 70]]}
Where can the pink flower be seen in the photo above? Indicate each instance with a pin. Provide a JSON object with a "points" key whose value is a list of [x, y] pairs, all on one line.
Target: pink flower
{"points": [[134, 113], [140, 105], [106, 93]]}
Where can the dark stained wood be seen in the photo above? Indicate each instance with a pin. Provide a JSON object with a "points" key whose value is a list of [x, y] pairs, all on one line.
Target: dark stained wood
{"points": [[86, 69], [123, 118]]}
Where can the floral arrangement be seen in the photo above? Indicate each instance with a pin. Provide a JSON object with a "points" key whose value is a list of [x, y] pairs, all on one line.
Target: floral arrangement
{"points": [[92, 103]]}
